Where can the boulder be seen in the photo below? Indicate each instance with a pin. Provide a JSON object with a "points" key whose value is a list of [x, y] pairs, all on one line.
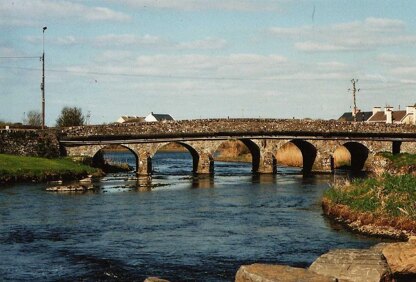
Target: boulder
{"points": [[401, 258], [86, 180], [69, 188], [353, 265], [276, 273], [155, 279], [412, 239]]}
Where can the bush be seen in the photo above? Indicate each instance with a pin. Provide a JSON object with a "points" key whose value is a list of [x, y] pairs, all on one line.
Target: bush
{"points": [[70, 117]]}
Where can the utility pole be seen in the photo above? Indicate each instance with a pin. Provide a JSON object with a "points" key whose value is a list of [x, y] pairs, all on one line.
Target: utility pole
{"points": [[42, 85], [354, 90]]}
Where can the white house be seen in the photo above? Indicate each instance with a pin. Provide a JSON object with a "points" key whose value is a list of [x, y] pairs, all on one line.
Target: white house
{"points": [[157, 117], [125, 119], [389, 115]]}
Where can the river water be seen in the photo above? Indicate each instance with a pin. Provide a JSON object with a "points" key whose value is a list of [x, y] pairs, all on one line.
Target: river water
{"points": [[186, 228]]}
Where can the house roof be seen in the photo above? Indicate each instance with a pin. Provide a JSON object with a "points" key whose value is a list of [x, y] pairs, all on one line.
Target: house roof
{"points": [[361, 116], [132, 119], [135, 119], [381, 117], [160, 117]]}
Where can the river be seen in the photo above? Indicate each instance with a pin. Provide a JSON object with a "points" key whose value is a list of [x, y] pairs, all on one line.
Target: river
{"points": [[187, 228]]}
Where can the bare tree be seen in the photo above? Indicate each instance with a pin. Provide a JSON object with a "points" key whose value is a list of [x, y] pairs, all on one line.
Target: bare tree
{"points": [[33, 118]]}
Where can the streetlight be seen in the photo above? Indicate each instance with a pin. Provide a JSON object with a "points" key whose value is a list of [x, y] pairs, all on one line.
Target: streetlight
{"points": [[42, 86]]}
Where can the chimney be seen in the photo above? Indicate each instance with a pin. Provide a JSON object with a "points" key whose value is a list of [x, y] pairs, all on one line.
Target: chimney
{"points": [[376, 110], [389, 115], [410, 110], [387, 108]]}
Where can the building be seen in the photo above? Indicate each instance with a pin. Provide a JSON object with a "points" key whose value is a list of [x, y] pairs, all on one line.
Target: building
{"points": [[158, 117], [361, 116], [126, 119], [389, 115]]}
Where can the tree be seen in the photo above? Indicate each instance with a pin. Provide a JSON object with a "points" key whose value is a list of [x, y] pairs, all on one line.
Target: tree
{"points": [[70, 117], [33, 118]]}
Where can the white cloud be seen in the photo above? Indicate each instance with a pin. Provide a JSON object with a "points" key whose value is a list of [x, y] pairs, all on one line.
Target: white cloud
{"points": [[37, 12], [192, 5], [132, 41], [408, 81], [188, 67], [125, 40], [395, 59], [292, 31], [203, 44], [369, 34], [309, 46], [384, 24], [67, 40], [405, 71]]}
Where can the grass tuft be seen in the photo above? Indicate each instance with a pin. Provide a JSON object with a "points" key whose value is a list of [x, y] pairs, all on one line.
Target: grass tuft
{"points": [[393, 196], [400, 160]]}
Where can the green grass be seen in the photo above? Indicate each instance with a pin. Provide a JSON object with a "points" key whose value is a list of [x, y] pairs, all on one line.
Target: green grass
{"points": [[19, 167], [393, 196], [402, 159]]}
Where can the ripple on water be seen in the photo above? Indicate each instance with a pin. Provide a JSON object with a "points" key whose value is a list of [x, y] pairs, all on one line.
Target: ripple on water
{"points": [[192, 229]]}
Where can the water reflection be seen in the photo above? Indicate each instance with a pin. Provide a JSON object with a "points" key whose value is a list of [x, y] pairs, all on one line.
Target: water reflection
{"points": [[202, 181], [264, 178]]}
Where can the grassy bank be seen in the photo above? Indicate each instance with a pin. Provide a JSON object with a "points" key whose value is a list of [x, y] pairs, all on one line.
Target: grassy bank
{"points": [[18, 168], [400, 160], [387, 201]]}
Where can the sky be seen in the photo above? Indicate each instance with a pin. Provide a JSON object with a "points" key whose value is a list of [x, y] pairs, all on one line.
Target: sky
{"points": [[206, 58]]}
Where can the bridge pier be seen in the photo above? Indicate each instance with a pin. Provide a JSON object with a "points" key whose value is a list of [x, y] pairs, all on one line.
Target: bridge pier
{"points": [[267, 163], [205, 164], [145, 164]]}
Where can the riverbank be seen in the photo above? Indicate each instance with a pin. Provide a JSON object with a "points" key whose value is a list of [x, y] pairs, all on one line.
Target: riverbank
{"points": [[34, 169], [381, 206]]}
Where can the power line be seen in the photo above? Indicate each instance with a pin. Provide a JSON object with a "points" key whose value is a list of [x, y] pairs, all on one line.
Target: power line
{"points": [[20, 57], [176, 76], [139, 75]]}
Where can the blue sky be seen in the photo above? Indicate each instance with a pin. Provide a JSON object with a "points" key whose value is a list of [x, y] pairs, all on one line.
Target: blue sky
{"points": [[206, 58]]}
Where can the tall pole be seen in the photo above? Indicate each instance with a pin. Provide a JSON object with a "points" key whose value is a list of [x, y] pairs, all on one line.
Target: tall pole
{"points": [[354, 89], [42, 86]]}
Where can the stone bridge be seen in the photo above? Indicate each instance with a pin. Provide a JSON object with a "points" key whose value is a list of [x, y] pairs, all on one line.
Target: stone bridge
{"points": [[316, 139]]}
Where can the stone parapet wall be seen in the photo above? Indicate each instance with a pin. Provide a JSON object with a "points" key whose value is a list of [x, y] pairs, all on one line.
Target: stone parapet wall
{"points": [[36, 143], [250, 127]]}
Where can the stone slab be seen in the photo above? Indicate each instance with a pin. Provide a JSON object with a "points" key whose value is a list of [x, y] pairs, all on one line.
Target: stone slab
{"points": [[401, 258], [277, 273], [353, 265]]}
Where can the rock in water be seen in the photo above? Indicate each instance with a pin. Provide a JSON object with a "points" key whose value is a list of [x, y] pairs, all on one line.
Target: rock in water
{"points": [[155, 279], [401, 258], [86, 180], [69, 188], [277, 273], [353, 265]]}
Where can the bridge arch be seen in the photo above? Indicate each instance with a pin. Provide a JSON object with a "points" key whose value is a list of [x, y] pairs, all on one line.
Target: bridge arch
{"points": [[99, 156], [196, 155], [255, 153], [297, 153], [351, 155], [232, 150]]}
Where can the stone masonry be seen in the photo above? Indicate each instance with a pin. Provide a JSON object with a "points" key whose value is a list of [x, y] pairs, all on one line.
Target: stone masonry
{"points": [[36, 143], [317, 140]]}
